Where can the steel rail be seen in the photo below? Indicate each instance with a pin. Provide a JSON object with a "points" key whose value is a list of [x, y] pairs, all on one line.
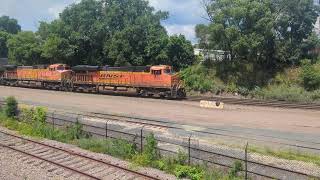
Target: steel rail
{"points": [[256, 102], [82, 156], [51, 162]]}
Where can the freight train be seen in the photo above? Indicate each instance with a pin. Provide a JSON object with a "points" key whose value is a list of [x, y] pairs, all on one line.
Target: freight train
{"points": [[145, 80]]}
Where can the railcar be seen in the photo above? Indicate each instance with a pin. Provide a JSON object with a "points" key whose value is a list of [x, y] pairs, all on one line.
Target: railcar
{"points": [[52, 77], [146, 80]]}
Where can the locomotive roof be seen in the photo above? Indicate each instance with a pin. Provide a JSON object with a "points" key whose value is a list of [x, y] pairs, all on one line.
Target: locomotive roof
{"points": [[127, 68], [85, 68], [9, 67], [57, 65]]}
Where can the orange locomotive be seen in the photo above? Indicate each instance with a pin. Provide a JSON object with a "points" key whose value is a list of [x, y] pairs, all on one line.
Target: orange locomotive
{"points": [[146, 80]]}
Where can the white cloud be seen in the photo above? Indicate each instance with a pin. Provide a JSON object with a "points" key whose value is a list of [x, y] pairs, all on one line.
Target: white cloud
{"points": [[187, 30], [56, 10], [183, 16]]}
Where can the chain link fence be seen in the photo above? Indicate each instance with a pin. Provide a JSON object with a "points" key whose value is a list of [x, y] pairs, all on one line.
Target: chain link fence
{"points": [[256, 165]]}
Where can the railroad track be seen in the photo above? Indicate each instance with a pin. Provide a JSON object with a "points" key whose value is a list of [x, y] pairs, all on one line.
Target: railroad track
{"points": [[71, 164], [262, 103]]}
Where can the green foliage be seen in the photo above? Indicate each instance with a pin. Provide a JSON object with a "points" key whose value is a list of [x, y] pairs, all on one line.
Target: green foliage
{"points": [[24, 49], [193, 173], [117, 148], [311, 76], [39, 115], [261, 37], [236, 168], [4, 37], [180, 52], [29, 115], [112, 32], [75, 131], [200, 78], [11, 107], [9, 25], [150, 149], [283, 92], [54, 49]]}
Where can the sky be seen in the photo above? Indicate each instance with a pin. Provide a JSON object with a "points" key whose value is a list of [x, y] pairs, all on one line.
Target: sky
{"points": [[184, 14]]}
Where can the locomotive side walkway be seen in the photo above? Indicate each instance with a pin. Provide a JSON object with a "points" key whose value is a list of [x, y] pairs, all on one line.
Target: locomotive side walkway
{"points": [[302, 126]]}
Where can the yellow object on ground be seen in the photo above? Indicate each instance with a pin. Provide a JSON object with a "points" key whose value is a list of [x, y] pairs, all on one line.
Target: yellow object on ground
{"points": [[212, 104]]}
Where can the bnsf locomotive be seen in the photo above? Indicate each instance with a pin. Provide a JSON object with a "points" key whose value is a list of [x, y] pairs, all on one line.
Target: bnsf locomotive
{"points": [[146, 80]]}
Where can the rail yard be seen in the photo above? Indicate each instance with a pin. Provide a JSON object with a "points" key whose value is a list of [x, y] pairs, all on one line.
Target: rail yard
{"points": [[160, 90]]}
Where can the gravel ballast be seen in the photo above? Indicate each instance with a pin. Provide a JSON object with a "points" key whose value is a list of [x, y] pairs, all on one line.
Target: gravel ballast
{"points": [[15, 165]]}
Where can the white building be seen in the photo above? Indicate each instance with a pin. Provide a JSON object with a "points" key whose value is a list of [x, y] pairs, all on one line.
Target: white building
{"points": [[213, 55]]}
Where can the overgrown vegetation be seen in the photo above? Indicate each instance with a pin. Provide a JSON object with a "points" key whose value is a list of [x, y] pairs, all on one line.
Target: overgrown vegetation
{"points": [[299, 84], [287, 154], [266, 46]]}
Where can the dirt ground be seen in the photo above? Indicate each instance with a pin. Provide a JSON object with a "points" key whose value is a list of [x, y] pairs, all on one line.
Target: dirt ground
{"points": [[302, 124]]}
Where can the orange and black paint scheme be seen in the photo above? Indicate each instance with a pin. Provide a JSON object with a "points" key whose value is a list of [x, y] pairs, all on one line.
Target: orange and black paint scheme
{"points": [[146, 80]]}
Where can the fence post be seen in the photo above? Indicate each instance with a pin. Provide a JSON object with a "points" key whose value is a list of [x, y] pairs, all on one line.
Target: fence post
{"points": [[141, 139], [189, 149], [107, 130], [246, 161], [53, 120]]}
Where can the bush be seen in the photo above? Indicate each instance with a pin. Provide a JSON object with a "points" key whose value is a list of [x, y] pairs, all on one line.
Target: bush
{"points": [[39, 114], [200, 78], [150, 152], [193, 173], [26, 114], [75, 131], [236, 168], [284, 93], [11, 107], [311, 76]]}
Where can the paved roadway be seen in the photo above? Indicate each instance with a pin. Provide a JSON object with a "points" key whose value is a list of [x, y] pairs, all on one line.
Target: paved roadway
{"points": [[290, 125]]}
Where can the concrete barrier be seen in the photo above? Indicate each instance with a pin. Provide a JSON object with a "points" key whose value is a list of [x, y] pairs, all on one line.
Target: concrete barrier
{"points": [[212, 104]]}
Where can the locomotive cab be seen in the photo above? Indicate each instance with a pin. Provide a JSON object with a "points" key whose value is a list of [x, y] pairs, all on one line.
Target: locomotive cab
{"points": [[164, 76], [161, 70], [59, 67]]}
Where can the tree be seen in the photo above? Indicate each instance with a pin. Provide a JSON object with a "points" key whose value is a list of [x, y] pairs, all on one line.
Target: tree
{"points": [[24, 49], [9, 25], [261, 37], [180, 52], [55, 49], [294, 23], [112, 32], [4, 36]]}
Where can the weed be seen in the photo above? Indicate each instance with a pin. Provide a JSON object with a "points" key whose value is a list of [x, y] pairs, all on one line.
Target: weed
{"points": [[11, 107], [194, 173]]}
